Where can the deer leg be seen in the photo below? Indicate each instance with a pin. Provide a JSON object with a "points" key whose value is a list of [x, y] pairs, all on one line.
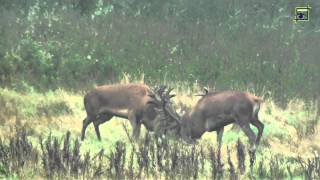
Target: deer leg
{"points": [[99, 120], [258, 124], [249, 133], [86, 122], [136, 126], [96, 128], [219, 137], [136, 131]]}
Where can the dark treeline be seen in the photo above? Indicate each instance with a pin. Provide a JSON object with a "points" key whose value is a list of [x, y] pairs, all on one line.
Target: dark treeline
{"points": [[245, 44]]}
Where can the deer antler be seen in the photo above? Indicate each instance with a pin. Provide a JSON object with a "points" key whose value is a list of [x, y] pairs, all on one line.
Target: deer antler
{"points": [[206, 91], [161, 89]]}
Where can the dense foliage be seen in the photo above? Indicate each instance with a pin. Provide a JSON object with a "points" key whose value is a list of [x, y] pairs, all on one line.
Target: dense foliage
{"points": [[75, 44]]}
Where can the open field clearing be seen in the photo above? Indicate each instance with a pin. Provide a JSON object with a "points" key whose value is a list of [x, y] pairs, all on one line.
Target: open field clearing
{"points": [[289, 145], [252, 62]]}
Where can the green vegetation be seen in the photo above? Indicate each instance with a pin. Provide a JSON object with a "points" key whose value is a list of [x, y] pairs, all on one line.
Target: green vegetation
{"points": [[76, 44], [283, 151], [52, 52]]}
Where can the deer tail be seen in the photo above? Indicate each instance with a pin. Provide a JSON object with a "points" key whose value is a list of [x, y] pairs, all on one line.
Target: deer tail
{"points": [[256, 105]]}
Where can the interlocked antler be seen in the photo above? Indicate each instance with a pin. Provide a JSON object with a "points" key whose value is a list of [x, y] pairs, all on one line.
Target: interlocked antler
{"points": [[162, 99], [206, 91], [161, 89], [168, 95], [157, 92]]}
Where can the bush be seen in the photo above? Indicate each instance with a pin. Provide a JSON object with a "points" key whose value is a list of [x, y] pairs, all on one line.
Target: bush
{"points": [[28, 106], [78, 44]]}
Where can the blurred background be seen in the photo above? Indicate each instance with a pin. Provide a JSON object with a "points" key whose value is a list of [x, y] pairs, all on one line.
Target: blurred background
{"points": [[52, 52], [246, 45]]}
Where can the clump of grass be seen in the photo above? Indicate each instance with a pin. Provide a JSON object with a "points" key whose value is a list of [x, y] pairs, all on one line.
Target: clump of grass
{"points": [[275, 168], [306, 128], [262, 172], [144, 155], [17, 155], [59, 161], [311, 167], [305, 122], [117, 161], [216, 171], [241, 156], [51, 104], [232, 171], [52, 109], [252, 157]]}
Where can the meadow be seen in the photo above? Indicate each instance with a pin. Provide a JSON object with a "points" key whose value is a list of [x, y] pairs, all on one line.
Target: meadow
{"points": [[53, 52], [40, 138]]}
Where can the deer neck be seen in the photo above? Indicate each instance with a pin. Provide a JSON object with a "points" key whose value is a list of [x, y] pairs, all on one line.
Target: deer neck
{"points": [[191, 126]]}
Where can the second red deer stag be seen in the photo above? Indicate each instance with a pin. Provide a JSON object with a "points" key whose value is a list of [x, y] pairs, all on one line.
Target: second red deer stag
{"points": [[218, 109]]}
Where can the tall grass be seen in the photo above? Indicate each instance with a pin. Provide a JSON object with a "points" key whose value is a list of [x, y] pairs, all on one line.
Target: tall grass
{"points": [[24, 154], [152, 156]]}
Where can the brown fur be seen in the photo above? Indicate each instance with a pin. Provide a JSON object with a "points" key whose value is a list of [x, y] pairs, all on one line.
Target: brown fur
{"points": [[128, 101], [218, 109]]}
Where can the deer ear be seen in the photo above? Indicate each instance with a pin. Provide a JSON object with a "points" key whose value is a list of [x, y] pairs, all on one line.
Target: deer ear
{"points": [[151, 102], [205, 89], [172, 95]]}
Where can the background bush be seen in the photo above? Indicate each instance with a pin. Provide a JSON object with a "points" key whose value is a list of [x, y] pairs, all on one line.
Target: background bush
{"points": [[75, 44]]}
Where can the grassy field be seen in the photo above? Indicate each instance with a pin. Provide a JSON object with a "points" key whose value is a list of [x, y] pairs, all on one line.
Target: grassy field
{"points": [[53, 52], [289, 147]]}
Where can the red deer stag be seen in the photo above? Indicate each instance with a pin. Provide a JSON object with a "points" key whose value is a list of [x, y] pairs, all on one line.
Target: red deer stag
{"points": [[218, 109], [130, 101]]}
